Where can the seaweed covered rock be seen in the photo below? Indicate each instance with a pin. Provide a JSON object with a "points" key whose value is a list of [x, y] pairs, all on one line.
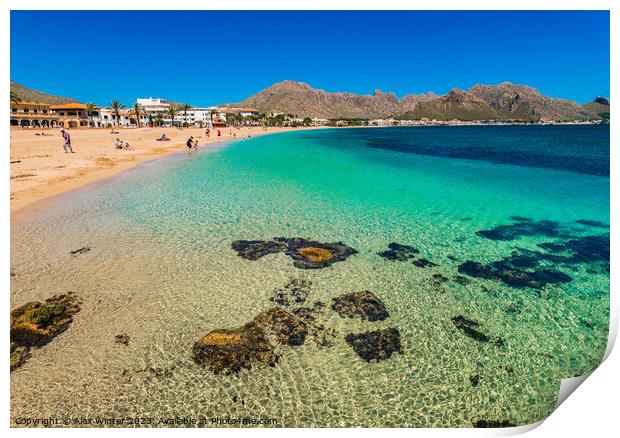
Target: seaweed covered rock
{"points": [[230, 351], [36, 323], [255, 249], [376, 345], [287, 328], [309, 254], [399, 252], [364, 305], [306, 254]]}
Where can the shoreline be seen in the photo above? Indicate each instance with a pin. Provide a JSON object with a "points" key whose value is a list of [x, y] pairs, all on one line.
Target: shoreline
{"points": [[40, 169]]}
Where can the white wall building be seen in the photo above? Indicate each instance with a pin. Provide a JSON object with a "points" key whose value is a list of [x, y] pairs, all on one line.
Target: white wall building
{"points": [[153, 105]]}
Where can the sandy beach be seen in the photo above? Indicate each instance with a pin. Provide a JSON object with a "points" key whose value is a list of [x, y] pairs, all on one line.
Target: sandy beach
{"points": [[40, 168]]}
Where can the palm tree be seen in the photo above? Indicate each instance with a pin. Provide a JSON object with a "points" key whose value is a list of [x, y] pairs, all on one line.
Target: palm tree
{"points": [[15, 99], [117, 106], [213, 112], [90, 109], [185, 107], [159, 119], [172, 112], [138, 110]]}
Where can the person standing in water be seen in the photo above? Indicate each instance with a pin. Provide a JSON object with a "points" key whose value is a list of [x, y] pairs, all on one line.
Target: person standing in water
{"points": [[67, 141]]}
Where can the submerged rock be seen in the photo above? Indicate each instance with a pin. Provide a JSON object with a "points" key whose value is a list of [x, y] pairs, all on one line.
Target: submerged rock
{"points": [[376, 345], [288, 329], [309, 254], [423, 263], [492, 423], [230, 351], [523, 226], [467, 326], [122, 339], [306, 254], [294, 292], [512, 276], [474, 380], [255, 249], [36, 323], [399, 252], [19, 356], [323, 336], [364, 305], [82, 250]]}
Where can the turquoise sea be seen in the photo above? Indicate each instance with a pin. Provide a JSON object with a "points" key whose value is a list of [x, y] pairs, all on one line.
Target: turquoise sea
{"points": [[513, 218]]}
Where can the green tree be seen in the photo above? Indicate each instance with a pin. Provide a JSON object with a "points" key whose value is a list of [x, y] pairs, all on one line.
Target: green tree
{"points": [[90, 109], [307, 121], [117, 106], [138, 110], [172, 112], [185, 107]]}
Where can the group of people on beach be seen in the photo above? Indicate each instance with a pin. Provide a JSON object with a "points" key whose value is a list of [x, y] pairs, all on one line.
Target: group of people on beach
{"points": [[192, 143], [118, 144]]}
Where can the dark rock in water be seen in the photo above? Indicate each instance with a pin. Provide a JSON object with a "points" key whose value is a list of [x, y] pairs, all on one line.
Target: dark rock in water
{"points": [[294, 292], [309, 254], [492, 423], [423, 263], [82, 250], [513, 309], [451, 257], [584, 249], [288, 329], [323, 336], [524, 227], [586, 323], [364, 305], [467, 326], [122, 339], [306, 254], [255, 249], [513, 277], [376, 345], [440, 278], [19, 356], [399, 252], [230, 351], [474, 380], [591, 223], [462, 280], [35, 324]]}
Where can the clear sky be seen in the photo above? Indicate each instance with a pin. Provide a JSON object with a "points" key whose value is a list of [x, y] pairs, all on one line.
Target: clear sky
{"points": [[205, 57]]}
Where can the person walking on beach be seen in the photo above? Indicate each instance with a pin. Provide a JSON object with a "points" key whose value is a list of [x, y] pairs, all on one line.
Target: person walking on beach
{"points": [[67, 144]]}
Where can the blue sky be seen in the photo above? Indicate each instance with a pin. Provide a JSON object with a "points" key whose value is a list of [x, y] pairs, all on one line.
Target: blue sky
{"points": [[206, 57]]}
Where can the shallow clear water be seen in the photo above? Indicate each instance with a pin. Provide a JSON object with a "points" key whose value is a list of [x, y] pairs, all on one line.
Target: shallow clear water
{"points": [[161, 270]]}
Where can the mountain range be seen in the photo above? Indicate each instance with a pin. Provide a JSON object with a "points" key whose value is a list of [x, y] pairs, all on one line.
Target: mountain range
{"points": [[504, 101]]}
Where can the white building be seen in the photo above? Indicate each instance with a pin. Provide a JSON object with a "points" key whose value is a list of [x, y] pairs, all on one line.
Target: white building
{"points": [[106, 117], [154, 105]]}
